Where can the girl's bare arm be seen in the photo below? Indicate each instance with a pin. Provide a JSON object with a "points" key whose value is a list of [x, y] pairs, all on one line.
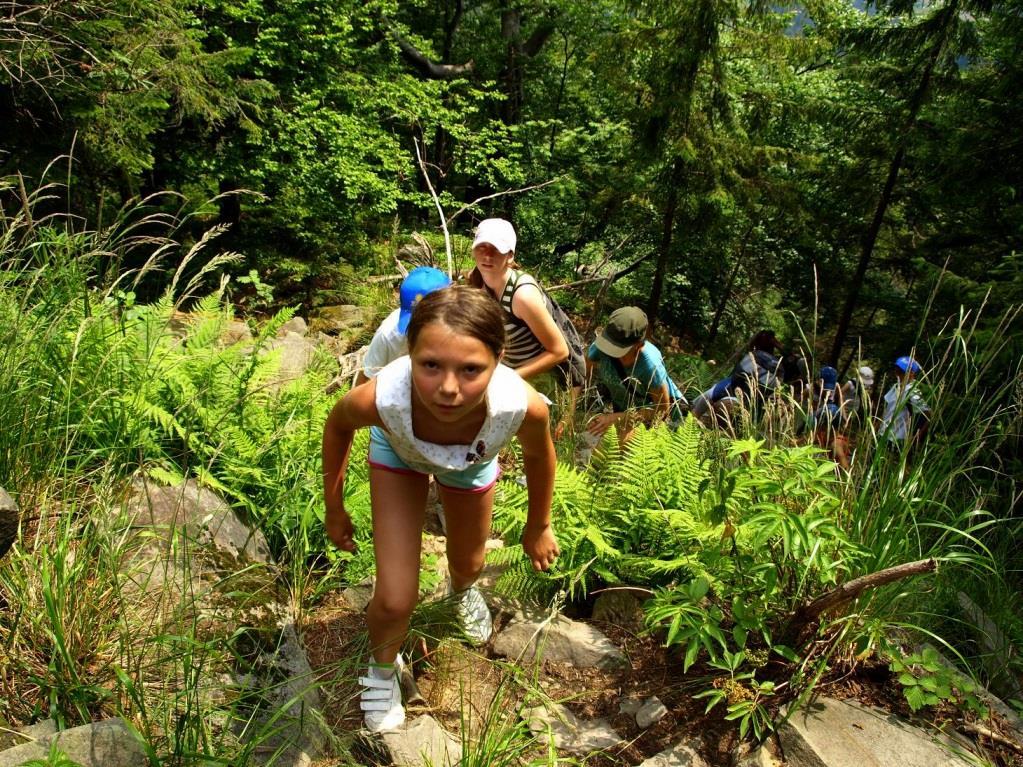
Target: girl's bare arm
{"points": [[357, 409], [538, 457], [528, 305]]}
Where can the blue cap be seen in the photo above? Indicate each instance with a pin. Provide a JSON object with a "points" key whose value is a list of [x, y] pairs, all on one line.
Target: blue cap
{"points": [[829, 376], [908, 365], [420, 281]]}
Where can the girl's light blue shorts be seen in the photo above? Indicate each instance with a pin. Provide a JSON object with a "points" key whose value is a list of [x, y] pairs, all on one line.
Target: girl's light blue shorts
{"points": [[476, 478]]}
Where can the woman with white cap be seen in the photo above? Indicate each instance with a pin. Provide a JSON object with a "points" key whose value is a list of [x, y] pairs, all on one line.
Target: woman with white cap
{"points": [[535, 345]]}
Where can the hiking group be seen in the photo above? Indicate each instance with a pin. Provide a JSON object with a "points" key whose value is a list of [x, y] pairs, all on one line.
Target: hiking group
{"points": [[457, 371]]}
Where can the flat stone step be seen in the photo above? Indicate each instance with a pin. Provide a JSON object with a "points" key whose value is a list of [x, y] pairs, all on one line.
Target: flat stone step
{"points": [[834, 733]]}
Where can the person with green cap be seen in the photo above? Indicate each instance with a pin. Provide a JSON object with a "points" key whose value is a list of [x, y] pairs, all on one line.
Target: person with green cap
{"points": [[630, 370]]}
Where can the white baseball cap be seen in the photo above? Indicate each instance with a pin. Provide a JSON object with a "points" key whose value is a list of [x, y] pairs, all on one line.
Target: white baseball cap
{"points": [[497, 232]]}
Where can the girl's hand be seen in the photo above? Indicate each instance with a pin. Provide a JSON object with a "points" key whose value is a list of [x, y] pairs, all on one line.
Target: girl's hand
{"points": [[340, 530], [540, 546], [601, 423]]}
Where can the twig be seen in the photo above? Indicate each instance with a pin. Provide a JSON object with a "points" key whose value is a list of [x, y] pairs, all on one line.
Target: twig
{"points": [[486, 197], [384, 278], [440, 210], [984, 732]]}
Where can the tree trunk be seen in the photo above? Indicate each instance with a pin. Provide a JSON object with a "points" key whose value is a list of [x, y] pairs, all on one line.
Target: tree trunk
{"points": [[667, 231], [870, 236], [719, 312], [511, 75]]}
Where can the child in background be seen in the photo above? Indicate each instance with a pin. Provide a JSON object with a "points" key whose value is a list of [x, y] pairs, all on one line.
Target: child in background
{"points": [[535, 345], [389, 341], [631, 371], [829, 417], [906, 414], [447, 409]]}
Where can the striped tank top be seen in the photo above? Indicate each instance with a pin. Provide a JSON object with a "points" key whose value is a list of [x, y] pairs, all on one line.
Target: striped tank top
{"points": [[521, 345]]}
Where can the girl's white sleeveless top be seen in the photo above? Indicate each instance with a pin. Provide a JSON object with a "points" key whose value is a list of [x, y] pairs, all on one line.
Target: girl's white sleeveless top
{"points": [[506, 407]]}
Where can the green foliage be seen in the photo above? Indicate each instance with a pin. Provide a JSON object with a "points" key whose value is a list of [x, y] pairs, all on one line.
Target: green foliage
{"points": [[926, 681]]}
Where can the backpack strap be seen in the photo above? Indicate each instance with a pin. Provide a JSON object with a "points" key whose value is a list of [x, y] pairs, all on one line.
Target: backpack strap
{"points": [[511, 287]]}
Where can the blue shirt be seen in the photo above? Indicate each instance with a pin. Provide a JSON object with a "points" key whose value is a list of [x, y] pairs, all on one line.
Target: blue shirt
{"points": [[632, 387]]}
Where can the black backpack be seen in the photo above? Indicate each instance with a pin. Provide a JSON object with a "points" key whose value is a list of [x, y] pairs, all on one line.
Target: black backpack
{"points": [[573, 370]]}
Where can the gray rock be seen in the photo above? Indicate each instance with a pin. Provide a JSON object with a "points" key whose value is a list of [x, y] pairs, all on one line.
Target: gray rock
{"points": [[759, 758], [342, 318], [295, 325], [422, 741], [9, 516], [569, 733], [236, 331], [679, 755], [419, 251], [997, 649], [651, 712], [193, 561], [630, 706], [358, 596], [110, 743], [201, 514], [560, 640], [622, 608], [297, 353], [832, 733]]}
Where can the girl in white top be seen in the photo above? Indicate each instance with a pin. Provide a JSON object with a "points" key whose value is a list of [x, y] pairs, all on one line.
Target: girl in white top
{"points": [[445, 410]]}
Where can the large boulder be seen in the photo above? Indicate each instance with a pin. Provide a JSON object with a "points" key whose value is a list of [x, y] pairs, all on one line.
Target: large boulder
{"points": [[110, 743], [341, 319], [194, 566], [8, 521], [422, 742]]}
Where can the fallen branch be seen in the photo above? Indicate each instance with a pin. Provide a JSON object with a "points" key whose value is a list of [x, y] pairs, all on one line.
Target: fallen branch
{"points": [[385, 278], [847, 592]]}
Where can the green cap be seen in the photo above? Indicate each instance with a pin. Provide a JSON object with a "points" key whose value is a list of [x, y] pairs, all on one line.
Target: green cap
{"points": [[625, 327]]}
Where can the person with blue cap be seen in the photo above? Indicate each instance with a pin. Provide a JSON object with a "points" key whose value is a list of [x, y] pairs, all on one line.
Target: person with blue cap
{"points": [[829, 418], [389, 342], [906, 414]]}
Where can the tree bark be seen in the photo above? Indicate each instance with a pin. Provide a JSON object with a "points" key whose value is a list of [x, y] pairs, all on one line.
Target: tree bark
{"points": [[870, 236], [667, 231]]}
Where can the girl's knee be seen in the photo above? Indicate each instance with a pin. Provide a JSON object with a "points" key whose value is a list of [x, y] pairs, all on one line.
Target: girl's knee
{"points": [[392, 607]]}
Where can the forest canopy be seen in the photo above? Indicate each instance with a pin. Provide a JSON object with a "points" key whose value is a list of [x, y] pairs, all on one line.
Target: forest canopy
{"points": [[832, 165]]}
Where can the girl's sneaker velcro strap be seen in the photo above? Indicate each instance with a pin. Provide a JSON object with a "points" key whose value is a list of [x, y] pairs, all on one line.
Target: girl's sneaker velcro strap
{"points": [[378, 693]]}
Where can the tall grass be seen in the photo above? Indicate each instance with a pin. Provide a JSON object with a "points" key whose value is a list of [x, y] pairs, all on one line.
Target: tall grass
{"points": [[97, 389]]}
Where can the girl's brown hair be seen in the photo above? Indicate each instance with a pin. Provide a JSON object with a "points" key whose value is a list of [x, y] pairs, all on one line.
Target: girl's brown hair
{"points": [[465, 310]]}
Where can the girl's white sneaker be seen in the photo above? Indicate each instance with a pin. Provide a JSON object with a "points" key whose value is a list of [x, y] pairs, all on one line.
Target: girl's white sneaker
{"points": [[477, 623], [381, 697]]}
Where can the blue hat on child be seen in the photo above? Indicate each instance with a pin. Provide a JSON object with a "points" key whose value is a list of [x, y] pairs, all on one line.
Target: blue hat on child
{"points": [[908, 365], [420, 281], [829, 376]]}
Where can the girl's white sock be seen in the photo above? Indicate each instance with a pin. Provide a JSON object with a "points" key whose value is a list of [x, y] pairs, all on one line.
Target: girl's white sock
{"points": [[378, 671]]}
